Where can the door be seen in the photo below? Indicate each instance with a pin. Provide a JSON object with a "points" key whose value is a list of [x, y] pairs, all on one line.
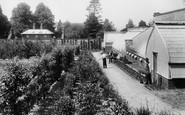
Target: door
{"points": [[155, 79]]}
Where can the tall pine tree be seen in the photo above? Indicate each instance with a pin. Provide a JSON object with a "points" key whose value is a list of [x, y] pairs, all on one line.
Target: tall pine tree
{"points": [[93, 22], [108, 26], [95, 7]]}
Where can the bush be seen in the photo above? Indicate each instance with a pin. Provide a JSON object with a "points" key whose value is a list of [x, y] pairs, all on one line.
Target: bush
{"points": [[14, 83], [93, 83], [89, 99], [64, 106], [26, 84], [26, 49]]}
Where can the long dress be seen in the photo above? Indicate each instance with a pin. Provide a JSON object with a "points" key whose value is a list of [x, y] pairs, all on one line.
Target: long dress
{"points": [[104, 61]]}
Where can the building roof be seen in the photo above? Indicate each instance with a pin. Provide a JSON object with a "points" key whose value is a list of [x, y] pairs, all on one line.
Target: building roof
{"points": [[119, 44], [37, 31], [180, 22], [174, 37], [175, 15], [140, 42], [112, 36], [169, 12]]}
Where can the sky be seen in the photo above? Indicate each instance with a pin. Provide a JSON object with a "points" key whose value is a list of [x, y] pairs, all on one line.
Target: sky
{"points": [[117, 11]]}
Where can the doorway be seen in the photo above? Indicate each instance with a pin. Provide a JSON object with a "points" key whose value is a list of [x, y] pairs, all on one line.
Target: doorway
{"points": [[155, 79]]}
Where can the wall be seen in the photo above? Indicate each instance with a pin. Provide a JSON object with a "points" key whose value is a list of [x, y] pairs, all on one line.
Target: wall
{"points": [[157, 44]]}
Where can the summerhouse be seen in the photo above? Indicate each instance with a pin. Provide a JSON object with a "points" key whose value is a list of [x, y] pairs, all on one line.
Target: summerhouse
{"points": [[37, 34]]}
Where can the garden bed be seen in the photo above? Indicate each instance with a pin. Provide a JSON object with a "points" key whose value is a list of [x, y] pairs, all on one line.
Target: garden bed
{"points": [[129, 70]]}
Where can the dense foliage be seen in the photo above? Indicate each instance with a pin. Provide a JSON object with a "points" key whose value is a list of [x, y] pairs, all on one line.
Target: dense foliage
{"points": [[108, 26], [24, 85], [21, 18], [92, 25], [95, 8], [55, 84], [130, 24], [142, 24], [4, 25], [44, 15], [27, 49], [74, 30], [59, 30]]}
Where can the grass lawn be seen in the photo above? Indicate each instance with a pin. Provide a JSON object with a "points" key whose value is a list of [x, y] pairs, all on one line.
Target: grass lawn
{"points": [[175, 97]]}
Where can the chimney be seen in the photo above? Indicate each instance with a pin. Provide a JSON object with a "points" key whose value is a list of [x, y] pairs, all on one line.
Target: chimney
{"points": [[41, 26], [33, 25]]}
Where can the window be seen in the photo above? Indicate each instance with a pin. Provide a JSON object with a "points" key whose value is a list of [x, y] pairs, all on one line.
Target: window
{"points": [[36, 36], [45, 36], [27, 36]]}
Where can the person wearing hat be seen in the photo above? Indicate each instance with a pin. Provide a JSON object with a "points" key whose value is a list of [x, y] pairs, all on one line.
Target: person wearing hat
{"points": [[148, 74], [103, 57]]}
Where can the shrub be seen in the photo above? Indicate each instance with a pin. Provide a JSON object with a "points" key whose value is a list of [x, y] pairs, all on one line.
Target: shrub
{"points": [[26, 49], [64, 106], [14, 90], [89, 99]]}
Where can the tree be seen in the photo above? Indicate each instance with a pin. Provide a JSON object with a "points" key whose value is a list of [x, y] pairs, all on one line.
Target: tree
{"points": [[44, 15], [74, 30], [108, 26], [142, 24], [21, 18], [95, 7], [151, 22], [58, 32], [130, 24], [4, 25], [92, 25]]}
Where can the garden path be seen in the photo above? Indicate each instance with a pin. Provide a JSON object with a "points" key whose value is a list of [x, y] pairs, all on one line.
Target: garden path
{"points": [[135, 93]]}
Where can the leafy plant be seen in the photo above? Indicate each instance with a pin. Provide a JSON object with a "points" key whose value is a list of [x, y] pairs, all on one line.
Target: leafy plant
{"points": [[15, 99]]}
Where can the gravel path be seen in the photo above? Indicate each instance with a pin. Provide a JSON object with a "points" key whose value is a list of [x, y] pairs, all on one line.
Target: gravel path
{"points": [[135, 93]]}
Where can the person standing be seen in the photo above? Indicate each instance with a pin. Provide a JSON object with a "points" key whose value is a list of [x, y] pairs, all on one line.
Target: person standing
{"points": [[103, 57], [110, 57], [148, 74]]}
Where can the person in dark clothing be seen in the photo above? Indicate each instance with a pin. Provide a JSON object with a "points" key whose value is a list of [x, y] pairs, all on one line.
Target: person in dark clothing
{"points": [[148, 74], [110, 57]]}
